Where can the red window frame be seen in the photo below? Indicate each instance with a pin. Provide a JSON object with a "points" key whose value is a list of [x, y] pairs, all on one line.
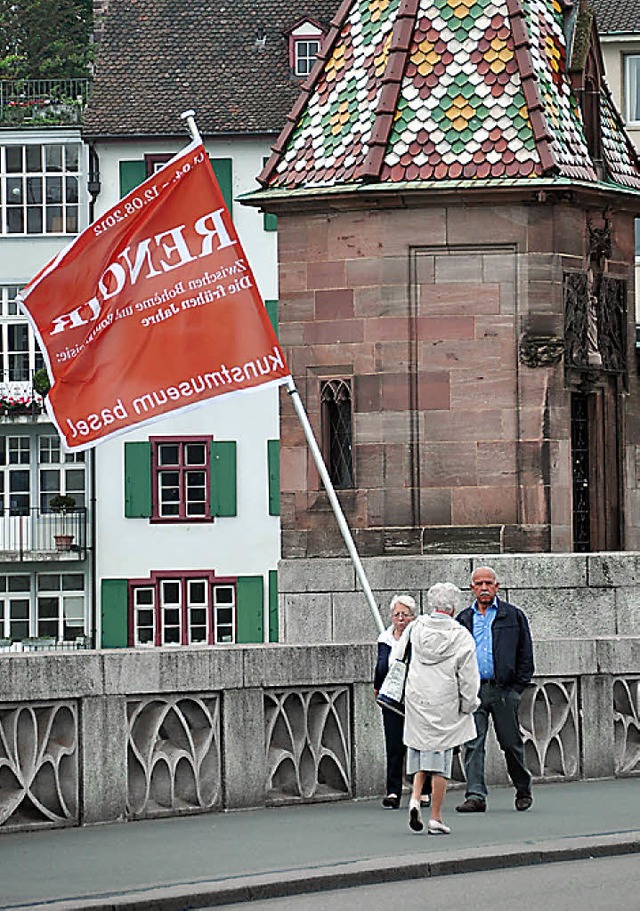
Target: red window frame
{"points": [[307, 30], [183, 468], [155, 580], [156, 161]]}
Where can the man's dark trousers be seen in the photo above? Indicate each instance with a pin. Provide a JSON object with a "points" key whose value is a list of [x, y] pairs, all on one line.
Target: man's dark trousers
{"points": [[501, 704]]}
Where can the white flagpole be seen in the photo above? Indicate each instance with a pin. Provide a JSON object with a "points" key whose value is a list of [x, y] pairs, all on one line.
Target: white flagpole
{"points": [[189, 117], [333, 499]]}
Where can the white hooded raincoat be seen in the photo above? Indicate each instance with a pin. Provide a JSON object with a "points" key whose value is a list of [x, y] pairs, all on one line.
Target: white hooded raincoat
{"points": [[442, 684]]}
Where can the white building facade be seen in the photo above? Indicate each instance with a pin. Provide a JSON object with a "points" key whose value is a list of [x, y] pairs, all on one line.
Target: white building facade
{"points": [[187, 524], [46, 584]]}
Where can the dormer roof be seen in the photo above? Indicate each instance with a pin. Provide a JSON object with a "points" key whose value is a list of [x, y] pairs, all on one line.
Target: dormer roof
{"points": [[429, 91]]}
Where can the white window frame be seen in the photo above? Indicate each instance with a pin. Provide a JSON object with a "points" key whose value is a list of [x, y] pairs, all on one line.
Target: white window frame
{"points": [[10, 598], [11, 316], [67, 470], [71, 218], [67, 599], [305, 54], [26, 589], [138, 608], [632, 88]]}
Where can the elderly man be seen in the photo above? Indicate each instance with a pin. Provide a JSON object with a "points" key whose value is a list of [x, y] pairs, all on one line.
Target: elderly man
{"points": [[440, 698], [505, 661]]}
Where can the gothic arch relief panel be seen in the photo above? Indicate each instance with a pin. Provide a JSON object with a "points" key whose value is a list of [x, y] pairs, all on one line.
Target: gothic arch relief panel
{"points": [[38, 764], [626, 725], [173, 755], [308, 744], [549, 721]]}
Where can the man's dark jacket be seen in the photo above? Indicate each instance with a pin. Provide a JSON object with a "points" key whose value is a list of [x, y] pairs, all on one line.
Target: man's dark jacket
{"points": [[512, 646]]}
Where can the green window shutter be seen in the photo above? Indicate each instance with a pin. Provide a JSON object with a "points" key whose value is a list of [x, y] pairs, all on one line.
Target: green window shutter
{"points": [[250, 609], [273, 461], [272, 312], [269, 221], [223, 169], [132, 174], [114, 606], [273, 605], [223, 472], [137, 480]]}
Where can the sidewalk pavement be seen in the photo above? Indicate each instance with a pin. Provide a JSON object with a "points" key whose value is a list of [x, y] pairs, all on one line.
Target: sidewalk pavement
{"points": [[219, 858]]}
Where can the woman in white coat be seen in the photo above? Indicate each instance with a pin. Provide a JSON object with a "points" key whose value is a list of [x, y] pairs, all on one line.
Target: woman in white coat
{"points": [[440, 698]]}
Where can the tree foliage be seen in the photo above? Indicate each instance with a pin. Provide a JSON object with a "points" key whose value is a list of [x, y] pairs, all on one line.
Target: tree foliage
{"points": [[45, 39]]}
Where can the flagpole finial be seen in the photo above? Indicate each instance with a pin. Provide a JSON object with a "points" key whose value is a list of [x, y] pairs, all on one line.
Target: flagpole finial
{"points": [[190, 118]]}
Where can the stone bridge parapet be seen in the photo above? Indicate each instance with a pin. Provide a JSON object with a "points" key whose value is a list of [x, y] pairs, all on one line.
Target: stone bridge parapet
{"points": [[88, 737]]}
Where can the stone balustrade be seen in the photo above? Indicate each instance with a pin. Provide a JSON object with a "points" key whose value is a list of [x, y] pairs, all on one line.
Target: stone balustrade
{"points": [[89, 737]]}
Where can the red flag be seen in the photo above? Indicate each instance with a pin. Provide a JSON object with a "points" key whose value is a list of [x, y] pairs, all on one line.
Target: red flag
{"points": [[152, 309]]}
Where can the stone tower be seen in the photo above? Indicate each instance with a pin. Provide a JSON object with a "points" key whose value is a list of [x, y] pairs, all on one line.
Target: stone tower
{"points": [[456, 196]]}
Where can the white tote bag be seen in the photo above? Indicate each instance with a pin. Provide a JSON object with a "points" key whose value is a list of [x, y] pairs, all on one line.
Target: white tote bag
{"points": [[391, 693]]}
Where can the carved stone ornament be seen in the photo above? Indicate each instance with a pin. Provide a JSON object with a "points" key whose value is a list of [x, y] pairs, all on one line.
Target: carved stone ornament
{"points": [[600, 242], [540, 351]]}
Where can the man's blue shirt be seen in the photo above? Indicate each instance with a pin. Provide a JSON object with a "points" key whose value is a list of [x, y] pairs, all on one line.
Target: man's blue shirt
{"points": [[483, 640]]}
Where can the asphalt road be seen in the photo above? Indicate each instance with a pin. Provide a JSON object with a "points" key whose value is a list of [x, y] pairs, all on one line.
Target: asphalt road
{"points": [[582, 885]]}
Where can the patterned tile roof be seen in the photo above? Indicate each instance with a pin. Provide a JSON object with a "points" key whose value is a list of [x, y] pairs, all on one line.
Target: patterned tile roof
{"points": [[433, 90], [617, 16], [157, 58]]}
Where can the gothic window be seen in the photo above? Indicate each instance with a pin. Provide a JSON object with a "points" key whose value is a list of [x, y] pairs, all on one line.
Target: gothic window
{"points": [[336, 418]]}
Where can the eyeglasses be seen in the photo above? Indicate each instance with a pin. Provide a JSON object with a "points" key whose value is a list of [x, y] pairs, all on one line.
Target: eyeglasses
{"points": [[401, 616]]}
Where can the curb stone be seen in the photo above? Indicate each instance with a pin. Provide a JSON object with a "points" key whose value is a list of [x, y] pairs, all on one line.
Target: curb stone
{"points": [[286, 883]]}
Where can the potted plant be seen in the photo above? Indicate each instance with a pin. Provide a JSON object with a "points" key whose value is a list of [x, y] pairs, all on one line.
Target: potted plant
{"points": [[41, 382], [62, 503]]}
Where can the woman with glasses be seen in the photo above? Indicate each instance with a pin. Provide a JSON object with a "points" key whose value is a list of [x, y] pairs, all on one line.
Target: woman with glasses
{"points": [[402, 613]]}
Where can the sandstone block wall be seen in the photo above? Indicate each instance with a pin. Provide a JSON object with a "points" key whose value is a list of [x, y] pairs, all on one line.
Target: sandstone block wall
{"points": [[458, 444]]}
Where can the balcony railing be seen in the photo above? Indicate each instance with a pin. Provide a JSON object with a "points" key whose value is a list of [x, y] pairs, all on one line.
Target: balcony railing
{"points": [[42, 102], [26, 533], [18, 396]]}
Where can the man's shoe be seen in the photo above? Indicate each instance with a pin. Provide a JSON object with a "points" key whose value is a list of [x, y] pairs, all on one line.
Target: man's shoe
{"points": [[415, 816], [435, 827], [472, 805], [523, 801], [391, 802]]}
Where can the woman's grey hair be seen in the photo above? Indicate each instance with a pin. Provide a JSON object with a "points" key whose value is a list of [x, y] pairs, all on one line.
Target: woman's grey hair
{"points": [[445, 597], [407, 600]]}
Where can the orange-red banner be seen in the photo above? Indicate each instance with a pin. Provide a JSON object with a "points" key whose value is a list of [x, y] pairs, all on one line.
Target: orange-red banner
{"points": [[152, 309]]}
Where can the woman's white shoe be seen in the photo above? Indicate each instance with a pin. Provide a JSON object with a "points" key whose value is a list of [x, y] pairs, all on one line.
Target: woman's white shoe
{"points": [[415, 816], [435, 827]]}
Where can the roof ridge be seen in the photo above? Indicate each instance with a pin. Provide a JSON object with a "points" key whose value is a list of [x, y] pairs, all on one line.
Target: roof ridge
{"points": [[530, 90], [400, 45]]}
